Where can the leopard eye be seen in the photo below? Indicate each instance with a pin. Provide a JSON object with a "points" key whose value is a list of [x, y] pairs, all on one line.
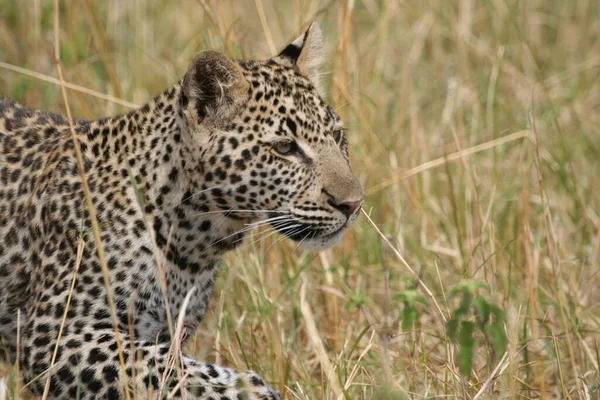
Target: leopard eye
{"points": [[285, 147], [338, 135]]}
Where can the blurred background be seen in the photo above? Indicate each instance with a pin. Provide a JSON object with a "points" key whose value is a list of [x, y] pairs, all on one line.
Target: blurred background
{"points": [[474, 127]]}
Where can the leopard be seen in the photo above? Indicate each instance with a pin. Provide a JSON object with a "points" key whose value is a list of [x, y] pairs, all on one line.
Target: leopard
{"points": [[95, 267]]}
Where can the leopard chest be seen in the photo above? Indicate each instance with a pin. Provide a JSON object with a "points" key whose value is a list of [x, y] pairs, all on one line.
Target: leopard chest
{"points": [[185, 261]]}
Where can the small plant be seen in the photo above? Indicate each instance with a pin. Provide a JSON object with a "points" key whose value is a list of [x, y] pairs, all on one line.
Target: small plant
{"points": [[474, 312], [409, 313], [356, 300]]}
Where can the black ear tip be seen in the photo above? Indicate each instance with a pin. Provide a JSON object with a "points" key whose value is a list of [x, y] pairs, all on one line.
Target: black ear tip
{"points": [[291, 51], [294, 50]]}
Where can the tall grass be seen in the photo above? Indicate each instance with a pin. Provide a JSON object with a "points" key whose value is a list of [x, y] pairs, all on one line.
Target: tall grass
{"points": [[475, 130]]}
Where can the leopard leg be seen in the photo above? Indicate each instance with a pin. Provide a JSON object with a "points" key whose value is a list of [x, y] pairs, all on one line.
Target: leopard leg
{"points": [[87, 365]]}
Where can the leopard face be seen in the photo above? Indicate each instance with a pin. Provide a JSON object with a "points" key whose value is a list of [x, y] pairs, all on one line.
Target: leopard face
{"points": [[275, 151]]}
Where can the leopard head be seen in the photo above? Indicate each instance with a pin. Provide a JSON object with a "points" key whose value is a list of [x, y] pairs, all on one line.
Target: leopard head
{"points": [[271, 148]]}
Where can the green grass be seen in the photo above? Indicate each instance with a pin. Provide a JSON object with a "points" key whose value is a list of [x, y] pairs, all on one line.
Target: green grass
{"points": [[415, 82]]}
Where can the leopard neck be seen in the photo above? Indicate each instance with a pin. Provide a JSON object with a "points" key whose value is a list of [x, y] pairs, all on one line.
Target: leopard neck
{"points": [[152, 146]]}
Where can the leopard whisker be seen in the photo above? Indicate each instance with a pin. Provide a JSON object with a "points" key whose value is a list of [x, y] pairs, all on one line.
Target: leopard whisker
{"points": [[281, 225], [263, 221], [274, 231], [248, 228], [274, 220], [294, 232], [262, 235], [238, 211]]}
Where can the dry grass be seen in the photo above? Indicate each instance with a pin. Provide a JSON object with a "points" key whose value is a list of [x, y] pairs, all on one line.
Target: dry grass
{"points": [[431, 92]]}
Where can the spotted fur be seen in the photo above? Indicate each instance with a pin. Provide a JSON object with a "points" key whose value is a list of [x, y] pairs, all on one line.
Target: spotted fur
{"points": [[234, 144]]}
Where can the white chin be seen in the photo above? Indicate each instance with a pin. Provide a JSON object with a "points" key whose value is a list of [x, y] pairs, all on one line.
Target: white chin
{"points": [[323, 242]]}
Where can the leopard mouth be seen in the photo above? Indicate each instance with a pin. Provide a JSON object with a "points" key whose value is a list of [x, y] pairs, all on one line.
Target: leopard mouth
{"points": [[324, 241], [310, 237], [315, 234]]}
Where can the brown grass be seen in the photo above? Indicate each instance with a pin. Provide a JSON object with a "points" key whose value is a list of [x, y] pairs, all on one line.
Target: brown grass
{"points": [[475, 130]]}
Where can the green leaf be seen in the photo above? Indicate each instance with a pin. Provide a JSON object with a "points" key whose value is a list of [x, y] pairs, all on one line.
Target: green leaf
{"points": [[452, 328], [409, 316], [357, 341], [409, 313], [467, 286], [466, 346], [497, 313], [465, 304], [498, 337], [483, 311], [410, 297]]}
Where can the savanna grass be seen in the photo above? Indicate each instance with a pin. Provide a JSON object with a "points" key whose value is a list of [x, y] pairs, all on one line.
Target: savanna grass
{"points": [[475, 130]]}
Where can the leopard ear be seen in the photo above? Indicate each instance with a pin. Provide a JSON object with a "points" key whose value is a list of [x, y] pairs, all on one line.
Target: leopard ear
{"points": [[306, 52], [213, 85]]}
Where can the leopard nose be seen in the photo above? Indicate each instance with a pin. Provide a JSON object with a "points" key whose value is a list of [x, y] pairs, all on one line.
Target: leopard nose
{"points": [[347, 207]]}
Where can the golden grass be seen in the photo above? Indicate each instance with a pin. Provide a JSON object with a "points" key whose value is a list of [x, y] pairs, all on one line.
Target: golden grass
{"points": [[475, 130]]}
